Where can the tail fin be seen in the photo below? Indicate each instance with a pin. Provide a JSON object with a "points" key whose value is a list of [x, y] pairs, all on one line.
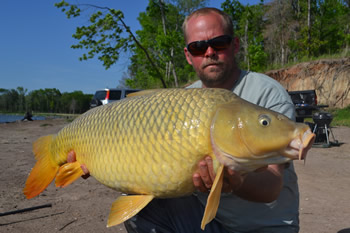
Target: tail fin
{"points": [[44, 170]]}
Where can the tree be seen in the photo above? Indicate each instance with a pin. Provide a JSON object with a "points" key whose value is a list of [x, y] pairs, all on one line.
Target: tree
{"points": [[334, 22], [185, 7], [157, 60], [163, 37], [43, 100], [282, 27], [104, 35], [21, 99], [248, 26], [3, 91]]}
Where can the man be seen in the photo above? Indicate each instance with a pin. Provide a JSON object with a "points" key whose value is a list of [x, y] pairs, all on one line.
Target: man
{"points": [[262, 201], [277, 185]]}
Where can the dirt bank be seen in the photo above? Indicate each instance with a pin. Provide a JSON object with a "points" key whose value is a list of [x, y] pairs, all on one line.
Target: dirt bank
{"points": [[84, 205]]}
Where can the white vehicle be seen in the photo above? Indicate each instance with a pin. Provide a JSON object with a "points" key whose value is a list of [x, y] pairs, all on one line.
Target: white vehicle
{"points": [[105, 96]]}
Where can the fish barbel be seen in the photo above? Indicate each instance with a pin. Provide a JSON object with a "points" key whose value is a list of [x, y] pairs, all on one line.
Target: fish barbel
{"points": [[150, 144]]}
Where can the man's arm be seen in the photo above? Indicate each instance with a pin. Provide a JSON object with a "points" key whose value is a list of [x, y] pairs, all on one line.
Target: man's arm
{"points": [[263, 185]]}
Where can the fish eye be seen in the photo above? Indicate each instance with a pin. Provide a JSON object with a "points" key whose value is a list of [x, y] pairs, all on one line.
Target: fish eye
{"points": [[264, 120]]}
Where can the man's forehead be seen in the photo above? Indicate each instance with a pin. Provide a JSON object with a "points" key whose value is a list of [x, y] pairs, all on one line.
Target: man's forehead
{"points": [[204, 27]]}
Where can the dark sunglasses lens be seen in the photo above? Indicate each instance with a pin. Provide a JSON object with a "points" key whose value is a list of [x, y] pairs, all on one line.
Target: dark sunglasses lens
{"points": [[197, 47], [220, 43]]}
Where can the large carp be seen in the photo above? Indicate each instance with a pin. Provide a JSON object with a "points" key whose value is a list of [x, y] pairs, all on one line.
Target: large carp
{"points": [[149, 145]]}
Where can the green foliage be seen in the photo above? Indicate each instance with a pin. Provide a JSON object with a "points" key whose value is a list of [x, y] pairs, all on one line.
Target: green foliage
{"points": [[327, 32], [248, 26], [273, 34], [49, 100], [258, 57], [341, 116], [102, 37], [162, 36], [235, 9]]}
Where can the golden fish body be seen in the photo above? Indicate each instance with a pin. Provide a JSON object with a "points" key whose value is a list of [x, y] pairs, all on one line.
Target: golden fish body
{"points": [[144, 145], [151, 144]]}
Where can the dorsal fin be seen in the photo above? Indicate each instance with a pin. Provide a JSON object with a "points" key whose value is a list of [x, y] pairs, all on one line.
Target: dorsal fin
{"points": [[144, 92]]}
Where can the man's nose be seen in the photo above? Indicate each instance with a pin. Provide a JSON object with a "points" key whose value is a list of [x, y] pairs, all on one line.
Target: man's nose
{"points": [[210, 52]]}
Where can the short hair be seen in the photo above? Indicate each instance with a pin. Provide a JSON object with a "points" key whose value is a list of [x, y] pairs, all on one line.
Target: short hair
{"points": [[228, 25]]}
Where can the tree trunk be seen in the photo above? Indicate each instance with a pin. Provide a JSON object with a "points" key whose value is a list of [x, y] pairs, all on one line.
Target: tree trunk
{"points": [[245, 45], [309, 27], [170, 66]]}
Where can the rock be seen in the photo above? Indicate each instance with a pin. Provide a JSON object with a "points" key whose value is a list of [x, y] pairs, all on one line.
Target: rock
{"points": [[330, 78]]}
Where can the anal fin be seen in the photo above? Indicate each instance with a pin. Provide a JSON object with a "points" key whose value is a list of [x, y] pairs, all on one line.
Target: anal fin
{"points": [[214, 198], [125, 207], [68, 173]]}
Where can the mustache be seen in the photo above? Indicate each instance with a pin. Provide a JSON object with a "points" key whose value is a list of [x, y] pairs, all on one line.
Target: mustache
{"points": [[211, 62]]}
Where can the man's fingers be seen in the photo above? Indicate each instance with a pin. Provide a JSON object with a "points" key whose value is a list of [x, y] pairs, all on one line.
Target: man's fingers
{"points": [[85, 170], [204, 173], [198, 183], [235, 179], [71, 157], [261, 169], [210, 168], [226, 186]]}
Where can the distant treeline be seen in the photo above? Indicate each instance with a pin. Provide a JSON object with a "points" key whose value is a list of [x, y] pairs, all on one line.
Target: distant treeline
{"points": [[49, 100]]}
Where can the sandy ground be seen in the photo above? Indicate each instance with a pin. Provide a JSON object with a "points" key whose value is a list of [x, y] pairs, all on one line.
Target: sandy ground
{"points": [[84, 205]]}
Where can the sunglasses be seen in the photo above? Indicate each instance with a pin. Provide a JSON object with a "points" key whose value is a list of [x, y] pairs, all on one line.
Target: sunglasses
{"points": [[197, 48]]}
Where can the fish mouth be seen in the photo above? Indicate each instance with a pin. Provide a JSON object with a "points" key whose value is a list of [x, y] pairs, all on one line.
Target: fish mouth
{"points": [[298, 147]]}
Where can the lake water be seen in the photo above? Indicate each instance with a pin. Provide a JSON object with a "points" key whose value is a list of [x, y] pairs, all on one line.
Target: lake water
{"points": [[11, 118]]}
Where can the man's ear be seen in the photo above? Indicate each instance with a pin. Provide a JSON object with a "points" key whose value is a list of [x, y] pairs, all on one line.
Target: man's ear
{"points": [[188, 56]]}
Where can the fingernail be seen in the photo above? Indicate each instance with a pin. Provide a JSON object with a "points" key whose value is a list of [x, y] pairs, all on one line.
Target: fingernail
{"points": [[202, 164]]}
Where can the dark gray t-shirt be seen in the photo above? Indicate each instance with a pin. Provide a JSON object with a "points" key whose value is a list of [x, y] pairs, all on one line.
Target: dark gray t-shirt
{"points": [[282, 215]]}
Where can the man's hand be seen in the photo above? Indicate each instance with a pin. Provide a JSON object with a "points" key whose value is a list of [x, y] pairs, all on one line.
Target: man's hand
{"points": [[71, 158], [204, 178], [262, 185]]}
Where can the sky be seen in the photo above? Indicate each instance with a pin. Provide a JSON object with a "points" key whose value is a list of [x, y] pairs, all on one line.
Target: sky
{"points": [[35, 46]]}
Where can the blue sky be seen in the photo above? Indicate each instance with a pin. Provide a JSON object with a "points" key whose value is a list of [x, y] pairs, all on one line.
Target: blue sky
{"points": [[35, 46]]}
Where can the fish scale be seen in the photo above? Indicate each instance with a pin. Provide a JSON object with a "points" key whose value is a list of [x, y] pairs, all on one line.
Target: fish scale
{"points": [[150, 145]]}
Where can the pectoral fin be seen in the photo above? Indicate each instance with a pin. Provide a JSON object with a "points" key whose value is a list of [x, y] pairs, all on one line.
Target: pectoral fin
{"points": [[213, 198], [68, 173], [126, 207]]}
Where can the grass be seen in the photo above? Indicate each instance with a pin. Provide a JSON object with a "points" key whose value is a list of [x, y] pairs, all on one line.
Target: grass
{"points": [[341, 116]]}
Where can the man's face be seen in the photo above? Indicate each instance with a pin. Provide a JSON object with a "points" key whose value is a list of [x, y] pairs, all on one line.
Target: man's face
{"points": [[213, 67]]}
